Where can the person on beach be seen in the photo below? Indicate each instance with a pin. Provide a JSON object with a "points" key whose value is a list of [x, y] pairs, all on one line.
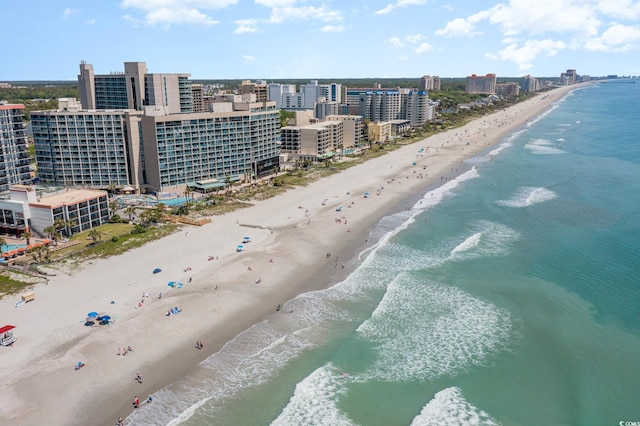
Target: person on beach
{"points": [[150, 399], [136, 402], [120, 422], [138, 377]]}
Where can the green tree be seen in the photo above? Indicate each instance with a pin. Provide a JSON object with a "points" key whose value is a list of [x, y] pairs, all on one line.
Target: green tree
{"points": [[27, 236], [113, 207], [95, 235], [130, 211]]}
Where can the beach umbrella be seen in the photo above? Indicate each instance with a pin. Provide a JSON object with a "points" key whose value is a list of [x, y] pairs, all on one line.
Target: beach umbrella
{"points": [[92, 314], [105, 318], [240, 247], [155, 271]]}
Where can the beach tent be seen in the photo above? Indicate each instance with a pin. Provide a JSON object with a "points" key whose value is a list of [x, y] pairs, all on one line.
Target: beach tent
{"points": [[155, 271]]}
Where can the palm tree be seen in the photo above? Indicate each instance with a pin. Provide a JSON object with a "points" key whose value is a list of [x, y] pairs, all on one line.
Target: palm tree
{"points": [[130, 211], [51, 231], [95, 235], [113, 206], [187, 192], [27, 236], [227, 183], [37, 252], [69, 225]]}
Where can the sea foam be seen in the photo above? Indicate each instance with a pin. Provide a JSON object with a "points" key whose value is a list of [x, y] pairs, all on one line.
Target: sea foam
{"points": [[314, 401], [528, 196], [448, 407], [424, 330]]}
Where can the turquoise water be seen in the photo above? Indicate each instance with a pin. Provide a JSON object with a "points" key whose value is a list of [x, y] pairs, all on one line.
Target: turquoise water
{"points": [[175, 201], [507, 296], [8, 247]]}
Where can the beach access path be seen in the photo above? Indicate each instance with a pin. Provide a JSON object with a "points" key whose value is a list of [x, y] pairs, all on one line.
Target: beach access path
{"points": [[290, 236]]}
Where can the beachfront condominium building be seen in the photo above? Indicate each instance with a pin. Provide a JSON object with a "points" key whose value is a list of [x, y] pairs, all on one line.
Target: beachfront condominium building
{"points": [[286, 97], [507, 89], [90, 148], [481, 84], [134, 89], [14, 159], [569, 77], [314, 141], [395, 104], [417, 107], [352, 129], [79, 209], [429, 82], [530, 84], [238, 142], [379, 131]]}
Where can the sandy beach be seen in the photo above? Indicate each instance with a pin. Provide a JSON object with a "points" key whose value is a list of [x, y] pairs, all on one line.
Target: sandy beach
{"points": [[290, 237]]}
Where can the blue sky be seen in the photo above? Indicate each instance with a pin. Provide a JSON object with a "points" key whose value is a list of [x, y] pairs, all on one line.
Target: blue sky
{"points": [[279, 39]]}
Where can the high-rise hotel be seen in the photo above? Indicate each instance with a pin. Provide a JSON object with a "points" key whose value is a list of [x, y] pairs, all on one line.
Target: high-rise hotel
{"points": [[14, 159], [481, 84], [139, 129]]}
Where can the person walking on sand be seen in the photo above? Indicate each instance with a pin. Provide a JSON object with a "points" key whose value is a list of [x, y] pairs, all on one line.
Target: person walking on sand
{"points": [[120, 421], [136, 402], [138, 377]]}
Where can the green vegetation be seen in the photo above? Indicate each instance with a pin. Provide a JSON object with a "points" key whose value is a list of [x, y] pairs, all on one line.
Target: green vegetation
{"points": [[37, 97]]}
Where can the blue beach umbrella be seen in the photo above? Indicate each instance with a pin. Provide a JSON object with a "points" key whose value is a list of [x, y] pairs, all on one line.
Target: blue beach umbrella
{"points": [[240, 247], [92, 314], [155, 271]]}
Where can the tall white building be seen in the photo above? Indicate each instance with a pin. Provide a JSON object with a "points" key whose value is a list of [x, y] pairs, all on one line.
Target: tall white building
{"points": [[14, 159]]}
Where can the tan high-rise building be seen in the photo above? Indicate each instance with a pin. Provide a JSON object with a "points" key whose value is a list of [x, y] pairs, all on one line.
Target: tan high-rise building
{"points": [[428, 82], [481, 84]]}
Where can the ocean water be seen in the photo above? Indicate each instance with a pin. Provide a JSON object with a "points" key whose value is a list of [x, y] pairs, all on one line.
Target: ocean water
{"points": [[510, 295]]}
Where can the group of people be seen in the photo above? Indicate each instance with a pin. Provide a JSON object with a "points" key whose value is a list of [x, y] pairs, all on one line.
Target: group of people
{"points": [[125, 350], [174, 310], [199, 344]]}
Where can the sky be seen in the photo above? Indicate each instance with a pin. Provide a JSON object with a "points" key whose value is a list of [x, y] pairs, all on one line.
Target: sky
{"points": [[320, 39]]}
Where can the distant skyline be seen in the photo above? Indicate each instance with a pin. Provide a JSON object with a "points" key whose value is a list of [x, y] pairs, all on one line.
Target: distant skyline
{"points": [[280, 39]]}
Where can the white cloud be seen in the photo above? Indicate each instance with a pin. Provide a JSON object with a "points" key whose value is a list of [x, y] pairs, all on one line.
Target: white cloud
{"points": [[281, 14], [332, 29], [619, 9], [167, 12], [91, 21], [523, 55], [395, 42], [458, 28], [248, 59], [400, 3], [617, 38], [423, 48], [246, 26], [68, 13], [413, 39]]}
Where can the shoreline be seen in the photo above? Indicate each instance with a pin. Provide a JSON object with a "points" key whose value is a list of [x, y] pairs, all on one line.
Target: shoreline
{"points": [[164, 349]]}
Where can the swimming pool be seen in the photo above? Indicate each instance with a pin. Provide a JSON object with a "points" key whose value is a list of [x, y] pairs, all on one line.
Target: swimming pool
{"points": [[174, 201], [8, 247]]}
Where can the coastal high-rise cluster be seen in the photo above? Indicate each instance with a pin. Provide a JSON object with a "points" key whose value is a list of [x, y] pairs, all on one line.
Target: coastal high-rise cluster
{"points": [[142, 132]]}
